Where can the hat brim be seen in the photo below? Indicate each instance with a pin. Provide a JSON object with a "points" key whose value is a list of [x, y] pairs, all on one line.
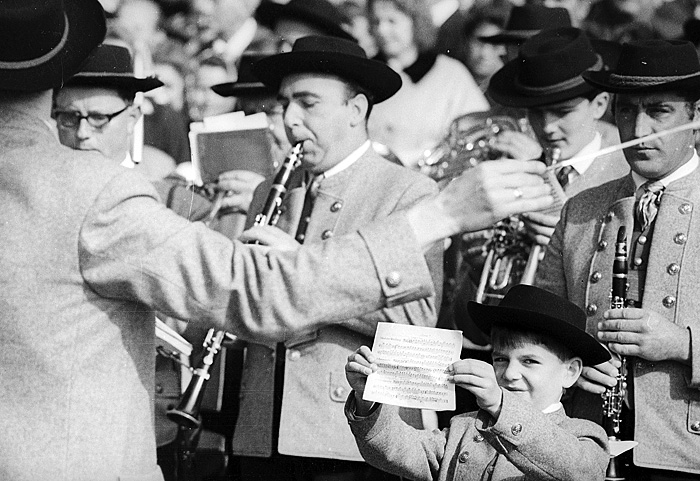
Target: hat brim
{"points": [[509, 37], [86, 30], [502, 89], [373, 75], [242, 89], [602, 81], [268, 13], [118, 81], [581, 344]]}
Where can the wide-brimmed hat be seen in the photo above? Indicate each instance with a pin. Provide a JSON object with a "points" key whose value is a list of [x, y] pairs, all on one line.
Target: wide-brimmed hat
{"points": [[651, 66], [319, 13], [530, 308], [43, 43], [111, 66], [247, 83], [527, 20], [548, 69], [330, 55]]}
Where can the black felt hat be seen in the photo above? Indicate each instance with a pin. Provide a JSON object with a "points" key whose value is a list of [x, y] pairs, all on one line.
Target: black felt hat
{"points": [[319, 13], [548, 69], [247, 83], [111, 66], [533, 309], [330, 55], [44, 42], [527, 20], [651, 66]]}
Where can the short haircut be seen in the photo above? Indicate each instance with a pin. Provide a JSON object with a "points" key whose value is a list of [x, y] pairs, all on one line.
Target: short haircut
{"points": [[353, 88], [424, 31], [507, 337], [483, 16]]}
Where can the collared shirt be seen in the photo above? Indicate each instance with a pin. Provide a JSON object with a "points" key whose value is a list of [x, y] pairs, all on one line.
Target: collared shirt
{"points": [[128, 162], [679, 173], [346, 162], [553, 408], [590, 148]]}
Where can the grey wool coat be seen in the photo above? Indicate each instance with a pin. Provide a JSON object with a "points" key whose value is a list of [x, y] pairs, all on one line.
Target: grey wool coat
{"points": [[578, 265], [312, 422], [89, 252], [522, 445]]}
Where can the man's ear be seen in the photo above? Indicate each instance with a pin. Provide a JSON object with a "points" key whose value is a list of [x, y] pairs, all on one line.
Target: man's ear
{"points": [[134, 114], [696, 111], [359, 105], [574, 366], [600, 104]]}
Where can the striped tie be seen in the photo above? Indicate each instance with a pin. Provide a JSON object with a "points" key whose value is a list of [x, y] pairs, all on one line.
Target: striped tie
{"points": [[648, 200]]}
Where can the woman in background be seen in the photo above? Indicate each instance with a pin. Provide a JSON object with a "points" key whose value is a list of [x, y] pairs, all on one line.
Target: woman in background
{"points": [[436, 89]]}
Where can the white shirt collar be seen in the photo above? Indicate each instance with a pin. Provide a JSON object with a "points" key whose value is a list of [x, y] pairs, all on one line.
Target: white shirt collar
{"points": [[677, 174], [346, 162], [590, 148], [553, 408], [128, 161]]}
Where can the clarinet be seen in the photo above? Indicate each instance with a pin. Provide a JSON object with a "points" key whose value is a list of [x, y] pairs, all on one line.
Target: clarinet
{"points": [[614, 397], [186, 414]]}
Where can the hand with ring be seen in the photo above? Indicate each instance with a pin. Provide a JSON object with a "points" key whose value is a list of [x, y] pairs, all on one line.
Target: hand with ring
{"points": [[517, 193]]}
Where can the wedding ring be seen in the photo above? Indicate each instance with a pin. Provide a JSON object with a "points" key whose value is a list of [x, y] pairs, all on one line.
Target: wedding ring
{"points": [[517, 193]]}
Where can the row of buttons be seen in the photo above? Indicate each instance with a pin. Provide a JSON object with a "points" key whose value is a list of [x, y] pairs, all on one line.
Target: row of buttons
{"points": [[668, 302]]}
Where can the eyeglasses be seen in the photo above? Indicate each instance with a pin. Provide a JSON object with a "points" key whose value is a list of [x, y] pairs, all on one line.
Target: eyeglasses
{"points": [[96, 120]]}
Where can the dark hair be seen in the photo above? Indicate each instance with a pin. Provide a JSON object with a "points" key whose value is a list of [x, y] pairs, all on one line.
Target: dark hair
{"points": [[482, 16], [352, 89], [424, 31], [508, 337]]}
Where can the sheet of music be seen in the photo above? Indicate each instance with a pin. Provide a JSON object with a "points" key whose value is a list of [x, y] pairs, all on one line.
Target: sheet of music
{"points": [[413, 363]]}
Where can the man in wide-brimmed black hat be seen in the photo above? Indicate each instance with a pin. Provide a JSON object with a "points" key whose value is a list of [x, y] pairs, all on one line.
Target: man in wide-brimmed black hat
{"points": [[656, 86], [327, 87]]}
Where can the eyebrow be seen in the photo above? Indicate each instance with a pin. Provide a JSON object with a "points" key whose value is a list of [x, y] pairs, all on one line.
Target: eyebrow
{"points": [[299, 95]]}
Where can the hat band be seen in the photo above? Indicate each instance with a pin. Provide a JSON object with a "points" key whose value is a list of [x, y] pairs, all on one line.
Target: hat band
{"points": [[44, 58], [618, 80], [558, 87]]}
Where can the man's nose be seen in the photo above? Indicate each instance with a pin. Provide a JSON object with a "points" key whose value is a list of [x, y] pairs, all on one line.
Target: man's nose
{"points": [[84, 130], [642, 126]]}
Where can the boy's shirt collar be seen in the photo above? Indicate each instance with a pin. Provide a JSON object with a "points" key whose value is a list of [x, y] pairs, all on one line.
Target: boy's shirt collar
{"points": [[553, 408]]}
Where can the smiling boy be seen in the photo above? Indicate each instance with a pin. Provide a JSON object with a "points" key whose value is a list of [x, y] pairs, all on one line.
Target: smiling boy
{"points": [[520, 431]]}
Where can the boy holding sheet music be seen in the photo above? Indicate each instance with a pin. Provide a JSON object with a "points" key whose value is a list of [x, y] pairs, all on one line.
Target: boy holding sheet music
{"points": [[520, 431]]}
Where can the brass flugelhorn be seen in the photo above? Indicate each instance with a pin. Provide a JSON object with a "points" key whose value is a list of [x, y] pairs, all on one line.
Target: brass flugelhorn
{"points": [[614, 397], [512, 257], [187, 412]]}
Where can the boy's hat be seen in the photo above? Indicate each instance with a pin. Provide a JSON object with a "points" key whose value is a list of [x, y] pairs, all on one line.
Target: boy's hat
{"points": [[330, 55], [44, 42], [548, 69], [319, 13], [530, 308], [527, 20], [651, 66], [111, 66], [247, 83]]}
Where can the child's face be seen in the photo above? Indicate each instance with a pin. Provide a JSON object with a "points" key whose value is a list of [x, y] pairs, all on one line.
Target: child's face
{"points": [[535, 373]]}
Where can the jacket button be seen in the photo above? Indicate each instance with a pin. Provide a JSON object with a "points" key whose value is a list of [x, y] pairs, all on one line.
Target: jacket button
{"points": [[642, 239], [591, 309], [294, 355], [478, 438], [695, 427], [336, 206], [596, 276], [680, 238], [669, 301], [673, 269], [393, 279], [339, 392], [685, 208], [516, 429], [159, 389], [638, 261], [610, 216], [300, 238], [602, 245], [464, 457], [327, 234]]}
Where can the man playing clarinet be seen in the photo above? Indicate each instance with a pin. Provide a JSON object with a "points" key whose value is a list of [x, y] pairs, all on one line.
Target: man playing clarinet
{"points": [[656, 84]]}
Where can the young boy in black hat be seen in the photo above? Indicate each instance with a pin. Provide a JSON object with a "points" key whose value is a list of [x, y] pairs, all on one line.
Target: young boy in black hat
{"points": [[520, 431]]}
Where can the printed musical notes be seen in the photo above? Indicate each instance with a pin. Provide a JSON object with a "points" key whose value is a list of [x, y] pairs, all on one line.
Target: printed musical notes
{"points": [[412, 366]]}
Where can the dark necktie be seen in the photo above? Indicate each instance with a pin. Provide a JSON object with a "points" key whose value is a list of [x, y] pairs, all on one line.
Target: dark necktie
{"points": [[648, 200], [563, 175], [309, 199]]}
